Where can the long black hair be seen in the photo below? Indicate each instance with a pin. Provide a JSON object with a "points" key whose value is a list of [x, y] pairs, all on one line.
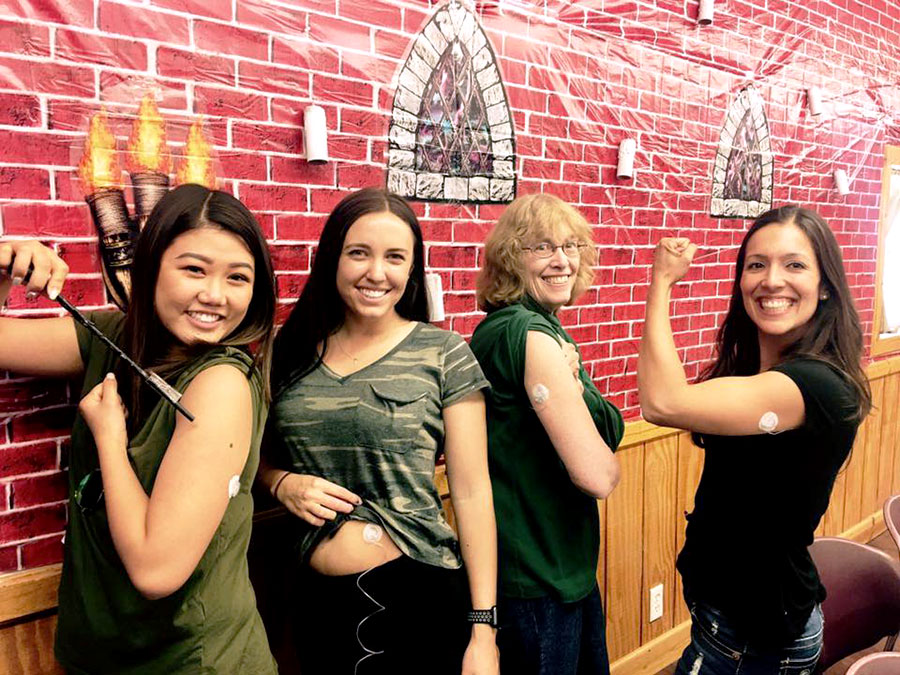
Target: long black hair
{"points": [[319, 311], [189, 207], [833, 333]]}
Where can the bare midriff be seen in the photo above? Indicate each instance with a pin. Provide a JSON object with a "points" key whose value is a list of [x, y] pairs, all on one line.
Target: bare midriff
{"points": [[347, 552]]}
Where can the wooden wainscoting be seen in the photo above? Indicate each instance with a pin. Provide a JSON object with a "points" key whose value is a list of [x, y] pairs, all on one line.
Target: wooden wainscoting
{"points": [[28, 621], [642, 530]]}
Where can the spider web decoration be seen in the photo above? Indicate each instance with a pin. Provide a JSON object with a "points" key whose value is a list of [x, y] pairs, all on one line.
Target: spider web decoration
{"points": [[451, 133], [743, 170]]}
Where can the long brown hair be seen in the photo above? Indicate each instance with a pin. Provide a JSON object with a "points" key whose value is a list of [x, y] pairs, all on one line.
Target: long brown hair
{"points": [[189, 207], [833, 333]]}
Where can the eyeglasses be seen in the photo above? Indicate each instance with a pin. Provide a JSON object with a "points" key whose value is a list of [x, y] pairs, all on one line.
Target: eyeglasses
{"points": [[545, 249], [89, 492]]}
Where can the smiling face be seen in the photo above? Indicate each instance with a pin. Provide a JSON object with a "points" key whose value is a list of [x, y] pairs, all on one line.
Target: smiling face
{"points": [[374, 266], [205, 285], [550, 280], [780, 284]]}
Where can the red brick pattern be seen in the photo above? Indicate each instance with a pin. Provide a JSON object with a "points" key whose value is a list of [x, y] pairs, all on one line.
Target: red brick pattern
{"points": [[580, 77]]}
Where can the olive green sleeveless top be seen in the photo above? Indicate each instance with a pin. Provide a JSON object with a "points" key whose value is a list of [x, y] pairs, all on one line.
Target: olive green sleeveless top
{"points": [[210, 624]]}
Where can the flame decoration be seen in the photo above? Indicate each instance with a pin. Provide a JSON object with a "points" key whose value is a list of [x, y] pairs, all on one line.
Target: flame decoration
{"points": [[99, 166], [147, 150], [197, 166], [149, 163]]}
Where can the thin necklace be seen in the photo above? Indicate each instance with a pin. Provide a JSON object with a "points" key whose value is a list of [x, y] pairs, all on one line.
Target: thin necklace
{"points": [[339, 341], [346, 353]]}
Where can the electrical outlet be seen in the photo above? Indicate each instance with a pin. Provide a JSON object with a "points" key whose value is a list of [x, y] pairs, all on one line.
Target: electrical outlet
{"points": [[656, 602]]}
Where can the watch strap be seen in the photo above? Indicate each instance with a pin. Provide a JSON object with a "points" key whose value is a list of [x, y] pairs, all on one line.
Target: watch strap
{"points": [[488, 616]]}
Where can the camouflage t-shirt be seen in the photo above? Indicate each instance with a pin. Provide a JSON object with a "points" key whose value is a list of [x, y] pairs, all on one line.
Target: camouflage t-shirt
{"points": [[378, 433]]}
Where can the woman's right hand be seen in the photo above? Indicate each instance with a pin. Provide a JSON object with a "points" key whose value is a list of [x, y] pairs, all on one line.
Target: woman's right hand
{"points": [[672, 259], [48, 270], [315, 499], [573, 361]]}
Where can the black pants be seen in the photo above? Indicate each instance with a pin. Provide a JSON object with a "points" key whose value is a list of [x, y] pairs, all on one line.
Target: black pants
{"points": [[341, 629]]}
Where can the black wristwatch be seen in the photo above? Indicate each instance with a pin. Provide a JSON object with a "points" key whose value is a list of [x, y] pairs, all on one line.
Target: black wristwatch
{"points": [[488, 616]]}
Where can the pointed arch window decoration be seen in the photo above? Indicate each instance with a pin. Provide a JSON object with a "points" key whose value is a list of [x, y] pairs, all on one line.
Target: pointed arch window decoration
{"points": [[451, 134], [744, 166]]}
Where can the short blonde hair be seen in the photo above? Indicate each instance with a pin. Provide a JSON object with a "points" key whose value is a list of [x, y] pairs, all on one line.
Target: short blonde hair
{"points": [[527, 220]]}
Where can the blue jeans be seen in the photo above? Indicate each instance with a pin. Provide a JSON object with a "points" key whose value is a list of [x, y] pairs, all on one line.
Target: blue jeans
{"points": [[716, 649], [544, 636]]}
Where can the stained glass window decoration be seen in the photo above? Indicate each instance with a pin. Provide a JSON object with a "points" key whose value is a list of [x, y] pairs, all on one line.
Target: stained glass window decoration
{"points": [[743, 168], [451, 135]]}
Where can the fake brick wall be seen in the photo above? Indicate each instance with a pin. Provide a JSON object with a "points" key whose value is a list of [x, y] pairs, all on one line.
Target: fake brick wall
{"points": [[579, 78]]}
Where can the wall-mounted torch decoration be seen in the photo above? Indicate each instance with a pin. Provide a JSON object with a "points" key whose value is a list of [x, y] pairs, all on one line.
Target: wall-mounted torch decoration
{"points": [[101, 179], [149, 163], [197, 165], [148, 160]]}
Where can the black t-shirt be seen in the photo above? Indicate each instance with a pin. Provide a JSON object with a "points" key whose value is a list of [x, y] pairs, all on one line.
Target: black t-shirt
{"points": [[759, 501]]}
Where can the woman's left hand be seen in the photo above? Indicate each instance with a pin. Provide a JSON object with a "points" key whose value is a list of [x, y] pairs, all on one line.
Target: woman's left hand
{"points": [[104, 413], [482, 656]]}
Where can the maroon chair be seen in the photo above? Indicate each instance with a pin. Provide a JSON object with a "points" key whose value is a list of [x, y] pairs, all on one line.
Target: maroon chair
{"points": [[892, 518], [863, 603], [882, 663]]}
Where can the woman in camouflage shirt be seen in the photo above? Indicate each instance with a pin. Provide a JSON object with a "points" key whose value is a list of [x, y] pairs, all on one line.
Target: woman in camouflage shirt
{"points": [[368, 398]]}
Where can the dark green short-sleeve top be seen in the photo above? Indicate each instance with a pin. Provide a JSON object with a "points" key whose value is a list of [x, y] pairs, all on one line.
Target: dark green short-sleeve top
{"points": [[548, 530], [210, 624]]}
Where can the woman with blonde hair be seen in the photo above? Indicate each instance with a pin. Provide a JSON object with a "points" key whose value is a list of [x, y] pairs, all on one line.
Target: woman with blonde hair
{"points": [[551, 437]]}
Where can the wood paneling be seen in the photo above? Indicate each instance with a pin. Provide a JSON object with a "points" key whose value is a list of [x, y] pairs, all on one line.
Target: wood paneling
{"points": [[28, 592], [624, 522], [869, 497], [889, 467], [655, 655], [27, 648], [28, 621], [660, 478], [443, 488], [854, 479]]}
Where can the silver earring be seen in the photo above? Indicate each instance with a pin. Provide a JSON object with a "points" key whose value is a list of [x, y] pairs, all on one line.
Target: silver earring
{"points": [[824, 295]]}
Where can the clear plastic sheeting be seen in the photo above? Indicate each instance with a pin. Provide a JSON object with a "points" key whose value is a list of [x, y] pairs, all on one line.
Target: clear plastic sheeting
{"points": [[459, 106]]}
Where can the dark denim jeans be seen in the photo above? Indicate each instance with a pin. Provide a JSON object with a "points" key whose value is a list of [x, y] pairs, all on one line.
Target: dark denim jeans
{"points": [[716, 649], [544, 636]]}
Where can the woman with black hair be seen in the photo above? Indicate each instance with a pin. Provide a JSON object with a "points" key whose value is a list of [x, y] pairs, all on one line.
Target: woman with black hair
{"points": [[368, 396], [776, 414], [154, 576]]}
